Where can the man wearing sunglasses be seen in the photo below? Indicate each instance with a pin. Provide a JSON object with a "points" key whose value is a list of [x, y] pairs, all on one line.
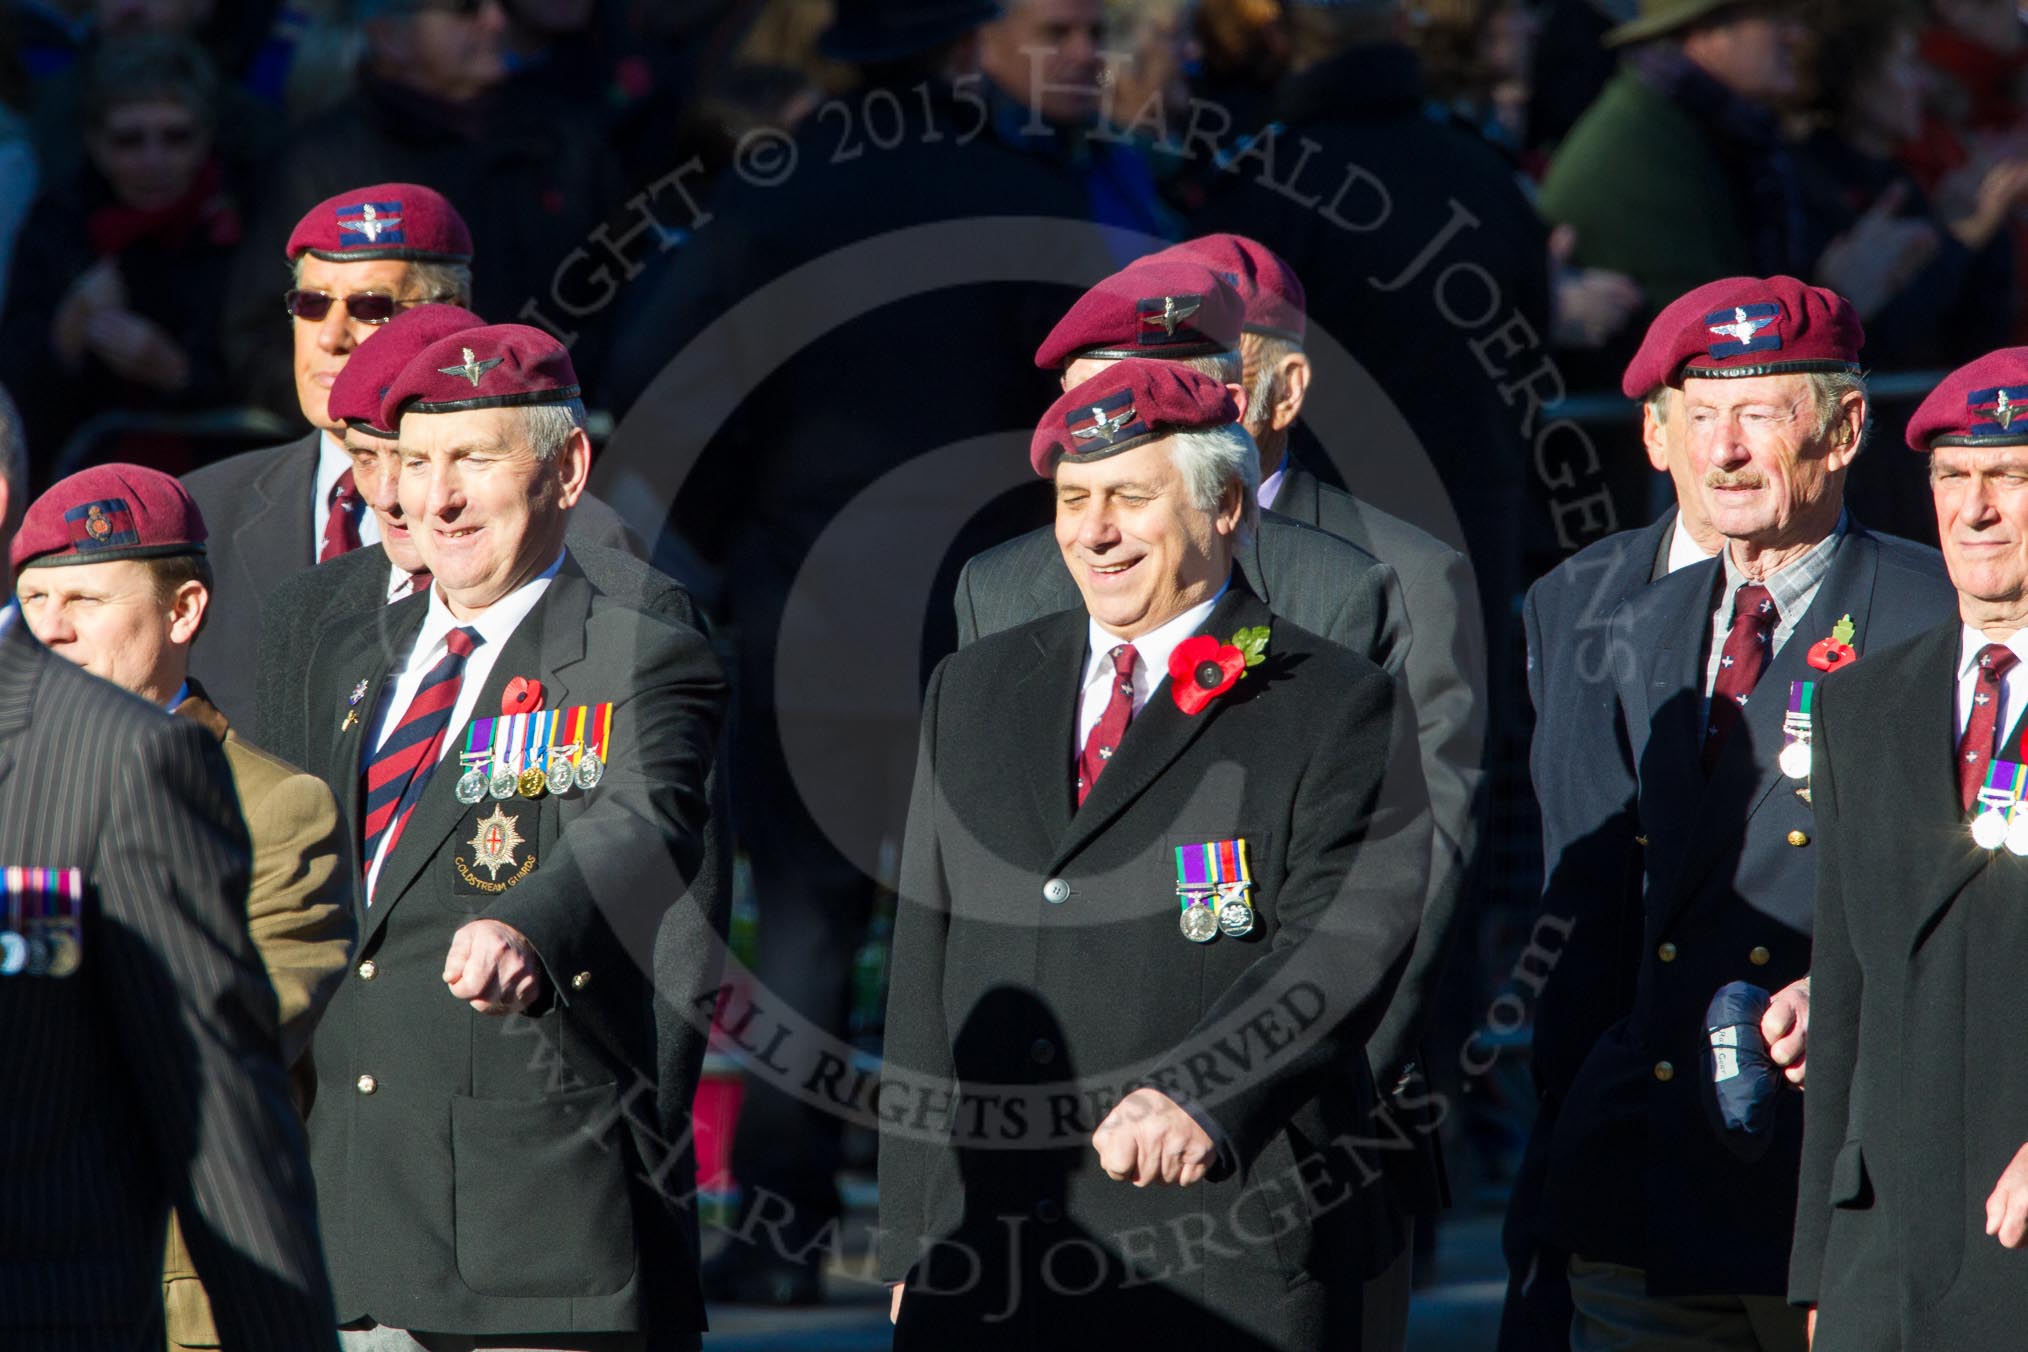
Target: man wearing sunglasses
{"points": [[356, 261]]}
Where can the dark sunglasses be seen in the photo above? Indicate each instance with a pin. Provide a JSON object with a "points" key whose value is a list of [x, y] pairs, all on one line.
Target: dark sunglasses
{"points": [[368, 307]]}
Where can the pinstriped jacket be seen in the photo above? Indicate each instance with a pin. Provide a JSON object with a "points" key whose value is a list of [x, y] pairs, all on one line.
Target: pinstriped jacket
{"points": [[149, 1076]]}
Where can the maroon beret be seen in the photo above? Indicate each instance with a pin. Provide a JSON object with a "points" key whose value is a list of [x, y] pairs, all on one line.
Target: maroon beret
{"points": [[494, 366], [369, 372], [109, 512], [1982, 403], [1167, 308], [1267, 286], [385, 220], [1130, 402], [1746, 326]]}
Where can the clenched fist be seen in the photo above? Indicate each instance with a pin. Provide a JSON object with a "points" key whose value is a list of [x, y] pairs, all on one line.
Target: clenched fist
{"points": [[1147, 1139]]}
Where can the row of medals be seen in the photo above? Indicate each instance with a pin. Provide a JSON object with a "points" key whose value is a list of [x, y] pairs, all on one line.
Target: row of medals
{"points": [[56, 952], [503, 782], [1202, 922], [1990, 829]]}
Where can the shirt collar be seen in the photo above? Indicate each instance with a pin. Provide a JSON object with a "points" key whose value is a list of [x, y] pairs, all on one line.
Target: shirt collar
{"points": [[1970, 640], [176, 700], [496, 623], [1797, 580], [332, 462], [1152, 649], [1271, 487], [1683, 547]]}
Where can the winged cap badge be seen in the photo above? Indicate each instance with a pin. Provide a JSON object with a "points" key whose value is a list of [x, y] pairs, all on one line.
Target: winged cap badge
{"points": [[1102, 426], [370, 222], [472, 369], [1175, 309], [1743, 327]]}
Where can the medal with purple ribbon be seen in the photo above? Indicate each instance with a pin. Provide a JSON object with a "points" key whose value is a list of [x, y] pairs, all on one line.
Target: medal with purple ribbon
{"points": [[1999, 803], [1795, 756]]}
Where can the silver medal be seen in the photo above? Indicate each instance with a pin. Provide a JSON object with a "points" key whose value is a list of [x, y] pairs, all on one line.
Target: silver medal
{"points": [[2017, 834], [1200, 925], [1795, 760], [560, 775], [1989, 830], [590, 770], [502, 783], [13, 953], [1235, 919], [471, 786]]}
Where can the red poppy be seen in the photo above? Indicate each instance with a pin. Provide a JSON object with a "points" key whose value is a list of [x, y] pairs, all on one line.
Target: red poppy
{"points": [[523, 696], [1829, 654], [1201, 669]]}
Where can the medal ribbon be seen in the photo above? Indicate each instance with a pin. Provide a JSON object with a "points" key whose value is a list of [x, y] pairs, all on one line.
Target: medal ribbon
{"points": [[1212, 867], [600, 730], [517, 736], [2005, 782], [478, 743], [1796, 725], [533, 756]]}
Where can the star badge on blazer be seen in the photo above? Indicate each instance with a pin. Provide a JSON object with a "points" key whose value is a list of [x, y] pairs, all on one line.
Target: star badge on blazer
{"points": [[352, 705], [495, 838]]}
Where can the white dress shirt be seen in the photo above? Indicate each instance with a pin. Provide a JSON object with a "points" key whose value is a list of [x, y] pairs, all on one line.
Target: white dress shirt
{"points": [[332, 462], [496, 624], [1683, 547], [1151, 666], [2013, 686]]}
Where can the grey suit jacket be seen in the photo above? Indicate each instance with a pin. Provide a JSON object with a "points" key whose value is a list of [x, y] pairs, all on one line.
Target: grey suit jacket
{"points": [[1445, 667], [575, 1112], [151, 1075], [258, 508], [1329, 587]]}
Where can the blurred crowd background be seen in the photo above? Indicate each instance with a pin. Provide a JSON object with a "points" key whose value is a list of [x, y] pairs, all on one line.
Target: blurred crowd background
{"points": [[154, 153]]}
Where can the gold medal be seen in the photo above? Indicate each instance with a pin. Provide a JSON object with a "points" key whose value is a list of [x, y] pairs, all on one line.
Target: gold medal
{"points": [[533, 783]]}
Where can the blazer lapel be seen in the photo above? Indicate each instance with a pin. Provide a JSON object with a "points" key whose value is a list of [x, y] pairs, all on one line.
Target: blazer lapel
{"points": [[555, 628], [1666, 628], [1298, 497], [1926, 745], [1043, 715], [21, 659], [1157, 736], [280, 523], [370, 657]]}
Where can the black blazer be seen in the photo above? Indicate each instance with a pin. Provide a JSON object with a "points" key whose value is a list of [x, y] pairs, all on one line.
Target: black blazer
{"points": [[468, 1121], [1916, 1103], [151, 1075], [1729, 892], [1591, 863], [259, 509], [1037, 946]]}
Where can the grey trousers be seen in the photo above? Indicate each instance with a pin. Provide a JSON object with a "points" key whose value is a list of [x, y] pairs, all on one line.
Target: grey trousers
{"points": [[380, 1338], [1615, 1313]]}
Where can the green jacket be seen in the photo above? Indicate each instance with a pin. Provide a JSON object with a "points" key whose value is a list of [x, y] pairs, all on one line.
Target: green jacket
{"points": [[1639, 181]]}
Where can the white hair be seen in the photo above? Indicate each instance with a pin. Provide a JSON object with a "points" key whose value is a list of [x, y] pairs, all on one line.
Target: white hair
{"points": [[1829, 388], [1269, 350], [1212, 458], [1223, 367], [548, 426]]}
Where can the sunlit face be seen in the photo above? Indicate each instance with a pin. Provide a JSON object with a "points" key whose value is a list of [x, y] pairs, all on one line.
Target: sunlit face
{"points": [[1047, 54], [376, 472], [1981, 495], [1140, 552], [150, 152], [110, 619], [322, 348], [1766, 472], [484, 513]]}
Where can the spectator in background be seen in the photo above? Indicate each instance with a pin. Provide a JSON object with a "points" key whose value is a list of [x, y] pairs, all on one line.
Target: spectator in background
{"points": [[118, 271], [1151, 49], [20, 172], [526, 166], [1570, 47], [1045, 71], [1862, 94], [1976, 56], [245, 132], [1475, 55], [1679, 174], [1246, 53]]}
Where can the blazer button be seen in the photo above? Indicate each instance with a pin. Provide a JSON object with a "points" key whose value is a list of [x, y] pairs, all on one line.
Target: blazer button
{"points": [[1048, 1212], [1760, 957], [1664, 1071], [367, 1084], [1641, 841], [1056, 891], [1798, 838], [1042, 1051], [368, 970], [1667, 952], [580, 981]]}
